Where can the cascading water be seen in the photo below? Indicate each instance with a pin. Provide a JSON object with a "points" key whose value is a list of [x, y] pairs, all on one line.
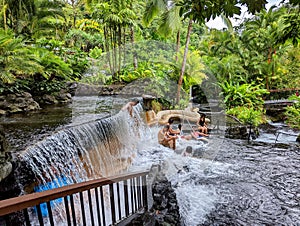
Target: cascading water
{"points": [[91, 150]]}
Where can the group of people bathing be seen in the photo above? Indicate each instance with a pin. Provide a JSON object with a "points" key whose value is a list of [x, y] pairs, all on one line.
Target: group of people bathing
{"points": [[167, 136]]}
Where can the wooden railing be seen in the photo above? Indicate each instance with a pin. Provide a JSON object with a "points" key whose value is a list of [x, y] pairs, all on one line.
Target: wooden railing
{"points": [[104, 201]]}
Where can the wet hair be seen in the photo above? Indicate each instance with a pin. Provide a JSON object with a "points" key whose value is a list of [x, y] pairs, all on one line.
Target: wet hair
{"points": [[135, 100], [166, 127], [202, 115], [189, 149], [170, 121], [179, 126]]}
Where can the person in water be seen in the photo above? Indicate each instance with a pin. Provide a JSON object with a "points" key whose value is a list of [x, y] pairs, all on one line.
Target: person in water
{"points": [[182, 136], [202, 126], [129, 107], [172, 131], [197, 135], [165, 139], [188, 151]]}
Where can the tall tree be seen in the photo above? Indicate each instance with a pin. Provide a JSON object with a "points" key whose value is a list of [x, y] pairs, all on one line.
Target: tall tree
{"points": [[260, 35], [117, 18], [16, 13], [169, 22], [200, 11]]}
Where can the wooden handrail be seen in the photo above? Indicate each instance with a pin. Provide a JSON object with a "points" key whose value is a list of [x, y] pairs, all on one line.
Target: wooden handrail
{"points": [[15, 204]]}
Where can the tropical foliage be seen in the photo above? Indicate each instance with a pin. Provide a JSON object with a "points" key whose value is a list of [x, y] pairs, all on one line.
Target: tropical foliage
{"points": [[248, 95], [293, 113], [248, 116], [45, 43]]}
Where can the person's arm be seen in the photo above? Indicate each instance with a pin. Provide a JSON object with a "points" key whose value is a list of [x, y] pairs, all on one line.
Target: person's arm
{"points": [[174, 131], [203, 134], [168, 137]]}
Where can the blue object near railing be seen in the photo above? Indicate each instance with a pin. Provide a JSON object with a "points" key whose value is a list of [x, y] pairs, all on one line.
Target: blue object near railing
{"points": [[58, 182]]}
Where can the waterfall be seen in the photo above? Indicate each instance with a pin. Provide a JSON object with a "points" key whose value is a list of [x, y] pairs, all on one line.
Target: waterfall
{"points": [[82, 152]]}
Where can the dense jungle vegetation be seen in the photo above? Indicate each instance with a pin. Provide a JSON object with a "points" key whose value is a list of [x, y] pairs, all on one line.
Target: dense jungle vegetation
{"points": [[44, 43]]}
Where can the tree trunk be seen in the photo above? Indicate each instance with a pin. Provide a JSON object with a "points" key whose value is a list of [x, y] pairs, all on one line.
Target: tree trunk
{"points": [[107, 49], [120, 47], [4, 17], [115, 34], [188, 36], [177, 45], [124, 43], [135, 62], [112, 54]]}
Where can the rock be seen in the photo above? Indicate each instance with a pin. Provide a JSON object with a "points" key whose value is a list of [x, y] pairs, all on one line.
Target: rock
{"points": [[102, 90], [3, 143], [17, 103], [11, 97], [72, 86], [20, 102], [236, 132], [4, 104], [165, 210], [32, 106], [48, 99], [27, 95], [13, 108], [5, 170], [298, 138], [63, 97]]}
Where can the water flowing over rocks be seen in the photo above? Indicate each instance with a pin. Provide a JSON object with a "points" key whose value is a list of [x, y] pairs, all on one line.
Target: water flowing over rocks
{"points": [[165, 209]]}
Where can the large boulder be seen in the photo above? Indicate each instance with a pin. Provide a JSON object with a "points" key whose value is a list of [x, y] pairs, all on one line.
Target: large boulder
{"points": [[17, 103], [5, 165]]}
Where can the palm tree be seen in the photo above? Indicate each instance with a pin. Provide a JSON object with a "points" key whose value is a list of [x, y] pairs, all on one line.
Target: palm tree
{"points": [[170, 21], [199, 11], [49, 19], [260, 36], [16, 58], [17, 13], [117, 17], [289, 28]]}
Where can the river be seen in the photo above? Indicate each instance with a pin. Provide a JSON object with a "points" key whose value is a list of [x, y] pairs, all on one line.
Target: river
{"points": [[241, 183]]}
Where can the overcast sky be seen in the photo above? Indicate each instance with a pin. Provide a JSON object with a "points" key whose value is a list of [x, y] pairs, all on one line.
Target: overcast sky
{"points": [[218, 23]]}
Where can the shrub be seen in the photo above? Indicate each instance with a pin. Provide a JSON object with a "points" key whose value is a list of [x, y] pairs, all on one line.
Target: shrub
{"points": [[292, 113], [242, 94], [247, 115]]}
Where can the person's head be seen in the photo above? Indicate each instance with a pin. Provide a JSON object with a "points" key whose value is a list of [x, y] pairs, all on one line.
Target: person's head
{"points": [[135, 101], [170, 121], [189, 150], [179, 127], [166, 128]]}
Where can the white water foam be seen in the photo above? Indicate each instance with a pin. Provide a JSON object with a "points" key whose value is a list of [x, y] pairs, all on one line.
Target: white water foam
{"points": [[195, 199]]}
